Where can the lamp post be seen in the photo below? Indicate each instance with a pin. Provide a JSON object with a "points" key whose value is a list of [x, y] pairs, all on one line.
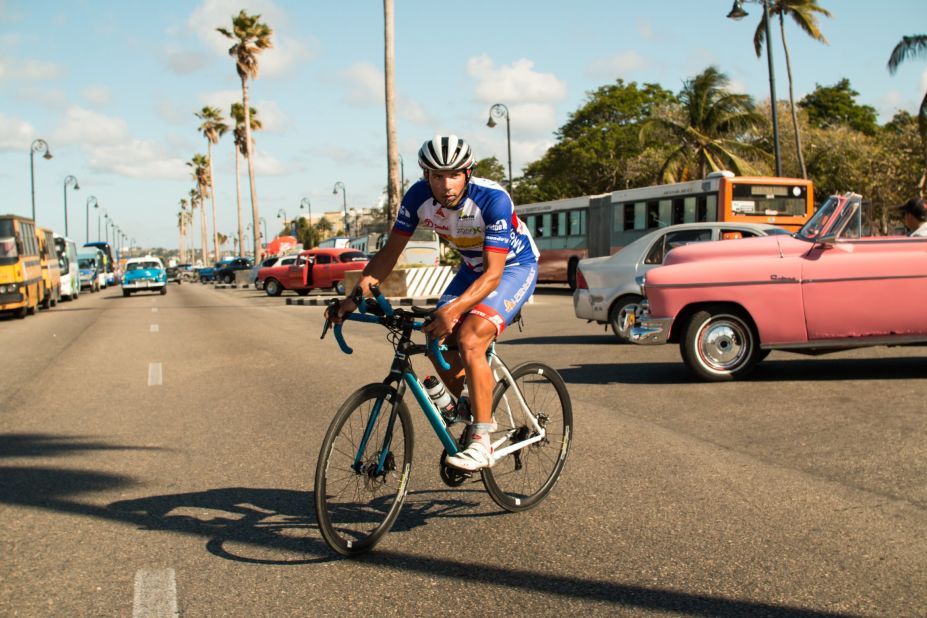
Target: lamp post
{"points": [[37, 146], [737, 13], [68, 181], [264, 229], [344, 202], [305, 203], [90, 200], [354, 216], [283, 212], [501, 111], [106, 227]]}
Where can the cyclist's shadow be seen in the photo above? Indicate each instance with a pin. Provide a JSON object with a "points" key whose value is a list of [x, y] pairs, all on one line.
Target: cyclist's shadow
{"points": [[278, 526]]}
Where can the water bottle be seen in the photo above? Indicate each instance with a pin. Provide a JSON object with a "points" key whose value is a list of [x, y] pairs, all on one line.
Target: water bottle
{"points": [[439, 396]]}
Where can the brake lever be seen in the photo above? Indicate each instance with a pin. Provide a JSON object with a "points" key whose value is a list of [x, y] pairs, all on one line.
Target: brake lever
{"points": [[333, 305]]}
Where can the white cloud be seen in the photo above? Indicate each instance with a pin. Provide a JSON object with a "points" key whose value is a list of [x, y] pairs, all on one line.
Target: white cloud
{"points": [[515, 83], [184, 61], [34, 70], [136, 159], [15, 134], [737, 86], [286, 51], [645, 29], [46, 97], [85, 127], [365, 88], [617, 66], [97, 95], [273, 118]]}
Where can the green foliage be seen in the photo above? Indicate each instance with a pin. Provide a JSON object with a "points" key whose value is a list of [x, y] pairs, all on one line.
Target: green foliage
{"points": [[831, 106], [598, 148], [710, 129], [491, 169]]}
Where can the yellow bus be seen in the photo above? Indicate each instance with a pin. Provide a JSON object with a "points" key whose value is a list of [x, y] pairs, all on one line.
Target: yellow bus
{"points": [[20, 268], [51, 271]]}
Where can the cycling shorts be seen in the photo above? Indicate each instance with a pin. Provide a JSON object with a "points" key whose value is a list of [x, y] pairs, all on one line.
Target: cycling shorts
{"points": [[503, 303]]}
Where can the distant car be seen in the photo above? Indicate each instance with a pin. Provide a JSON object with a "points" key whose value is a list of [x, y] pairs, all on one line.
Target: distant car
{"points": [[606, 291], [831, 286], [314, 268], [92, 268], [226, 272], [173, 274], [144, 274], [208, 273], [265, 263]]}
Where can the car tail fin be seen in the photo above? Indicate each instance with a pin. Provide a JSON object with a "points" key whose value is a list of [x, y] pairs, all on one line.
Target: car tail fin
{"points": [[581, 281]]}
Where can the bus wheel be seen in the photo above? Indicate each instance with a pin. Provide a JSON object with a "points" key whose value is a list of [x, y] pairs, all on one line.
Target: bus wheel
{"points": [[571, 273], [20, 313]]}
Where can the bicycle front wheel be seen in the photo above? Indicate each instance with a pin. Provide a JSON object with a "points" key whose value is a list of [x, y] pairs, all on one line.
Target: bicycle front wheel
{"points": [[362, 473], [522, 479]]}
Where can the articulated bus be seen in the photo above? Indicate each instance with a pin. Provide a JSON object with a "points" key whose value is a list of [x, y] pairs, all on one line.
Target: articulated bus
{"points": [[569, 230], [20, 268]]}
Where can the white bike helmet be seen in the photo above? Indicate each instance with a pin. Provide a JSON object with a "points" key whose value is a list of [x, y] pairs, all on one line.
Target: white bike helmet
{"points": [[445, 154]]}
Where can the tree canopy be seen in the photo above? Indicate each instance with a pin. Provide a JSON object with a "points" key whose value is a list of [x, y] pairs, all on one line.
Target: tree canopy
{"points": [[831, 106]]}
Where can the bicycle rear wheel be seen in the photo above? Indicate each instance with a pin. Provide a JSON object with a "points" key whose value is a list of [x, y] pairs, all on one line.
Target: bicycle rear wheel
{"points": [[522, 479], [354, 503]]}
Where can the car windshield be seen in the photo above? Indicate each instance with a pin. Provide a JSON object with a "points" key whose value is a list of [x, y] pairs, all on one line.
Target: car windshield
{"points": [[142, 266], [86, 263], [353, 256], [819, 220]]}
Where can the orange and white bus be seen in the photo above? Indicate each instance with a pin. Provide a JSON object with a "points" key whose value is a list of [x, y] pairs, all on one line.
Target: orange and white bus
{"points": [[569, 230], [20, 269]]}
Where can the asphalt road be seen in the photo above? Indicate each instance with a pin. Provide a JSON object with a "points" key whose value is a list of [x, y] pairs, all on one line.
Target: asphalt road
{"points": [[157, 457]]}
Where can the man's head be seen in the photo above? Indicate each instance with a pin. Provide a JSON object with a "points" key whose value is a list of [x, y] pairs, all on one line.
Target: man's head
{"points": [[447, 163], [913, 213]]}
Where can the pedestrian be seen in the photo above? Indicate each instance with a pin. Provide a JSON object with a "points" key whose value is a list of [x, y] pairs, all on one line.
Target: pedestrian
{"points": [[914, 216]]}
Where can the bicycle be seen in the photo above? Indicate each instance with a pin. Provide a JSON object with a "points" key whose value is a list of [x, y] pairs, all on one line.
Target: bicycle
{"points": [[364, 466]]}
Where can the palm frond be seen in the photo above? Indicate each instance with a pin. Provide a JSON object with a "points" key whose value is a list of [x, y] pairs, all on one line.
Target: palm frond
{"points": [[908, 47]]}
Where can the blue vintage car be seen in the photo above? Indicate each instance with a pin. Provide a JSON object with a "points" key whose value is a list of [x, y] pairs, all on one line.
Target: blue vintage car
{"points": [[144, 274]]}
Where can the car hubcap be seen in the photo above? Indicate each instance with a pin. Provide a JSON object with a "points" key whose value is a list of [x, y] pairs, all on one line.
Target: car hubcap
{"points": [[724, 344], [624, 327]]}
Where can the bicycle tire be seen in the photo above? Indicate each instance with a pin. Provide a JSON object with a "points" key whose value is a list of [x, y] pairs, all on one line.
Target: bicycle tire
{"points": [[520, 481], [355, 509]]}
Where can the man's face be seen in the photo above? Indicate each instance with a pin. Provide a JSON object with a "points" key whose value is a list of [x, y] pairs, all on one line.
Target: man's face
{"points": [[910, 221], [447, 187]]}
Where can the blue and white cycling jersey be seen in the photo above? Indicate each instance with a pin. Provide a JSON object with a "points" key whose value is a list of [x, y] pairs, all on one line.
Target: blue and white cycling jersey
{"points": [[483, 220]]}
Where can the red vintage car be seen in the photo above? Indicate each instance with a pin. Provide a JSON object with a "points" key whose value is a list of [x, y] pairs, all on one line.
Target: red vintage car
{"points": [[313, 269], [831, 286]]}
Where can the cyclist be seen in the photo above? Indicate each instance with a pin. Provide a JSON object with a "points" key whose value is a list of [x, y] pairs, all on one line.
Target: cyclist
{"points": [[498, 275]]}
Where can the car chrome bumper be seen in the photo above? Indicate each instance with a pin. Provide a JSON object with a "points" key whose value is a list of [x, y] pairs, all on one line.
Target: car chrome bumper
{"points": [[648, 330]]}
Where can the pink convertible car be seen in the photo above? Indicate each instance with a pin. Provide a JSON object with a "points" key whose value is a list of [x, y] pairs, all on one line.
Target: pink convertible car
{"points": [[828, 287]]}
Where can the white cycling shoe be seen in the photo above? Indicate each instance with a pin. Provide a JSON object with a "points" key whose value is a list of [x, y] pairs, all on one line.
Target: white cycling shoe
{"points": [[475, 457]]}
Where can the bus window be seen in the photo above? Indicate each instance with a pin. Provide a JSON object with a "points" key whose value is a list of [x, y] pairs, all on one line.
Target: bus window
{"points": [[653, 215], [640, 216], [577, 223], [678, 211], [666, 212], [690, 210], [560, 229], [711, 208], [546, 225], [783, 200]]}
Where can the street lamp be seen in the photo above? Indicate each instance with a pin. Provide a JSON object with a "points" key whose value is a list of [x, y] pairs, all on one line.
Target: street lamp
{"points": [[737, 13], [37, 146], [106, 227], [501, 111], [72, 181], [344, 202], [305, 203], [264, 228], [90, 200]]}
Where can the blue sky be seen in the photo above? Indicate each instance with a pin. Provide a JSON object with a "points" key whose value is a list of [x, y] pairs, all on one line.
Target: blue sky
{"points": [[112, 87]]}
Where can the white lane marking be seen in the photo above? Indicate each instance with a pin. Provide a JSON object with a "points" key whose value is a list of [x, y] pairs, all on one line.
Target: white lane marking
{"points": [[154, 374], [154, 328], [154, 309], [155, 594]]}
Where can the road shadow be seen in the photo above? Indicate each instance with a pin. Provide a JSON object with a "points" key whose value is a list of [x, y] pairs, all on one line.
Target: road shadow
{"points": [[48, 445], [603, 340], [797, 370]]}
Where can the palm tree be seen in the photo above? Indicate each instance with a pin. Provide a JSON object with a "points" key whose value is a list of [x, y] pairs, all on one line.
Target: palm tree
{"points": [[182, 224], [213, 127], [392, 150], [200, 173], [251, 37], [802, 13], [238, 115], [911, 47], [711, 132], [190, 218]]}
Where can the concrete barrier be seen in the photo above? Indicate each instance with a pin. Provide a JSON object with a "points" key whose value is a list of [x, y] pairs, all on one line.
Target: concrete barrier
{"points": [[417, 283]]}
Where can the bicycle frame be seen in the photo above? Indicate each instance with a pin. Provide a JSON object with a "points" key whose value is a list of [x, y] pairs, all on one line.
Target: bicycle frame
{"points": [[402, 376]]}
